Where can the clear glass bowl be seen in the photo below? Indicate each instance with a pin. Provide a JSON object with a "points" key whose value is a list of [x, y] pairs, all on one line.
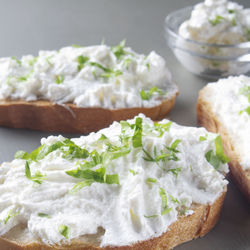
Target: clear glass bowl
{"points": [[204, 59]]}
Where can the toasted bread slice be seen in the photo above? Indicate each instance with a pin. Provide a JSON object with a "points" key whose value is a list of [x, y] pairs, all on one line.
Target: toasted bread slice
{"points": [[211, 122], [68, 118], [138, 184], [186, 228], [83, 89]]}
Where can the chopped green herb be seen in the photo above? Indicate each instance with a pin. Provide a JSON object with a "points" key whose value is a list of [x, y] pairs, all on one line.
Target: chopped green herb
{"points": [[59, 79], [64, 231], [37, 178], [173, 199], [219, 157], [163, 156], [162, 127], [127, 62], [17, 60], [231, 11], [103, 138], [165, 208], [202, 138], [108, 72], [119, 50], [218, 19], [151, 180], [212, 159], [10, 215], [220, 151], [72, 151], [175, 171], [43, 215], [80, 185], [91, 176], [33, 61], [148, 66], [245, 91], [247, 110], [133, 172], [191, 168], [151, 216], [22, 78], [147, 94], [81, 61], [137, 136]]}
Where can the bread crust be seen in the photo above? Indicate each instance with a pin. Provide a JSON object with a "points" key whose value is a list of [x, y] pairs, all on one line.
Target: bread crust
{"points": [[208, 119], [68, 118], [184, 229]]}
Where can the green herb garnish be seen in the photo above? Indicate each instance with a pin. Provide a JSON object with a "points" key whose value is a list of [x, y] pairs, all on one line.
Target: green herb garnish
{"points": [[64, 231], [247, 110], [17, 60], [119, 50], [147, 94], [69, 149], [43, 215], [218, 19], [38, 177], [165, 208], [151, 216], [162, 127], [59, 79], [10, 215], [202, 138], [81, 61], [175, 171], [133, 172], [137, 136], [91, 176], [151, 180], [219, 157]]}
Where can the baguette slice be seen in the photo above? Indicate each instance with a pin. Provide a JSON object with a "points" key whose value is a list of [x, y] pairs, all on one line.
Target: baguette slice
{"points": [[135, 185], [83, 89], [186, 228], [68, 118], [211, 122]]}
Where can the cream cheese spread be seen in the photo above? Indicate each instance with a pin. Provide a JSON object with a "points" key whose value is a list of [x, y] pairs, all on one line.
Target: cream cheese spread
{"points": [[217, 22], [230, 102], [95, 76], [132, 179]]}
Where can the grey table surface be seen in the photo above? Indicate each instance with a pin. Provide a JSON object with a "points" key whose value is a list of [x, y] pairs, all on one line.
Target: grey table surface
{"points": [[27, 26]]}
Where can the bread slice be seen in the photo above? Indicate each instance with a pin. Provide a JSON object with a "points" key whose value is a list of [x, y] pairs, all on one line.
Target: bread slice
{"points": [[138, 184], [68, 118], [83, 89], [211, 122], [186, 228]]}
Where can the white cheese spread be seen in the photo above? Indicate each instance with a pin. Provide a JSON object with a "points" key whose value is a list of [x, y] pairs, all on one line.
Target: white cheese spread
{"points": [[96, 76], [134, 179], [217, 22], [230, 102]]}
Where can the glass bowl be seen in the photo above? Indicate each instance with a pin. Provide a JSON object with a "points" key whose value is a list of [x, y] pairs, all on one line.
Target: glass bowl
{"points": [[204, 59]]}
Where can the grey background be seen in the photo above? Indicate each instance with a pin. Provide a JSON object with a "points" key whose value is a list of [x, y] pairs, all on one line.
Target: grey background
{"points": [[27, 26]]}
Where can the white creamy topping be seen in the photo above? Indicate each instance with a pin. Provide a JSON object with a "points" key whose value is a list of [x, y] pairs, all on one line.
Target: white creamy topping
{"points": [[230, 101], [96, 76], [157, 183], [217, 22]]}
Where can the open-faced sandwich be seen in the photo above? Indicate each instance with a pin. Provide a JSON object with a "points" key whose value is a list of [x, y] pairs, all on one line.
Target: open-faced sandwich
{"points": [[135, 185], [83, 89], [224, 108]]}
